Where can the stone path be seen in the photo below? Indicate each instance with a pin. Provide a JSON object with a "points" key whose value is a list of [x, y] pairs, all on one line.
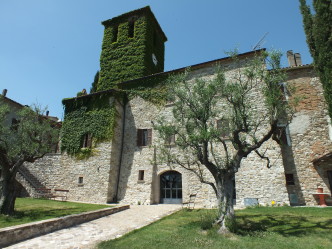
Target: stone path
{"points": [[88, 234]]}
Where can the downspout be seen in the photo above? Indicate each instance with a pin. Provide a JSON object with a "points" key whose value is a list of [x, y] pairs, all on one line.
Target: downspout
{"points": [[125, 101]]}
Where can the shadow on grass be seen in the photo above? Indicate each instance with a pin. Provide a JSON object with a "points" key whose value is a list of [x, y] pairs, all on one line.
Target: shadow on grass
{"points": [[286, 222], [287, 225], [39, 214]]}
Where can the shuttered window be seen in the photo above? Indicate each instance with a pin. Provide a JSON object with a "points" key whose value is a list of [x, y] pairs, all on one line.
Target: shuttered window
{"points": [[86, 140], [144, 137]]}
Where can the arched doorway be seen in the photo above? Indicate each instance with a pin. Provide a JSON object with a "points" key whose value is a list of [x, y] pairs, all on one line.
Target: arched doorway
{"points": [[171, 188]]}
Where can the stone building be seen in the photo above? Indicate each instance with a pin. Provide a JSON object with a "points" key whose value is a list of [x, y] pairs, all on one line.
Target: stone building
{"points": [[108, 141]]}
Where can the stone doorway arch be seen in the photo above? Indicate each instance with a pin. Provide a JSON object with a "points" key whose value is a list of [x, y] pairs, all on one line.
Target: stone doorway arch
{"points": [[171, 187]]}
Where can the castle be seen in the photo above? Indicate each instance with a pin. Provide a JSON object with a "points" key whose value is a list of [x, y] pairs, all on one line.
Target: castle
{"points": [[108, 138]]}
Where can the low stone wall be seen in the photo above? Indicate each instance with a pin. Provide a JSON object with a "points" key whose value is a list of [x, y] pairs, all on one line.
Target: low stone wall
{"points": [[14, 234]]}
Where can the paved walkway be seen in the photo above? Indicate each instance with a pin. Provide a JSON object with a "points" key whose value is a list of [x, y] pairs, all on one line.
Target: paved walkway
{"points": [[88, 234]]}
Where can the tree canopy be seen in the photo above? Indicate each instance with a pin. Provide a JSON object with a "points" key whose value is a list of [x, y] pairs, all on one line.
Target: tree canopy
{"points": [[26, 138], [318, 30], [219, 121]]}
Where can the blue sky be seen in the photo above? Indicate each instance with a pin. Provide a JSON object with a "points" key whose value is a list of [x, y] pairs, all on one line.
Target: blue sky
{"points": [[50, 49]]}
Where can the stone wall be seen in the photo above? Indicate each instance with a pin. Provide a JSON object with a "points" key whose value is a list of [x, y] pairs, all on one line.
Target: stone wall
{"points": [[14, 234], [63, 171], [254, 179], [309, 133], [98, 173], [110, 176]]}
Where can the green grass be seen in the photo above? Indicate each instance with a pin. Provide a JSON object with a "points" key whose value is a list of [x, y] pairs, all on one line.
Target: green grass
{"points": [[261, 227], [29, 210]]}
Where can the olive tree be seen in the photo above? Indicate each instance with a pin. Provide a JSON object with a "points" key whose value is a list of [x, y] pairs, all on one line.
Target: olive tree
{"points": [[28, 139], [247, 122]]}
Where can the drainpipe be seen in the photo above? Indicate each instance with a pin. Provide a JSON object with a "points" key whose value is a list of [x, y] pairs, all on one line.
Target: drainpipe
{"points": [[125, 101]]}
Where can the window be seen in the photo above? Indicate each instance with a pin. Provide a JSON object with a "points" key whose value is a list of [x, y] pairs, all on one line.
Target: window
{"points": [[290, 179], [115, 34], [131, 29], [144, 137], [86, 141], [141, 175], [15, 124], [223, 127], [283, 135], [80, 180]]}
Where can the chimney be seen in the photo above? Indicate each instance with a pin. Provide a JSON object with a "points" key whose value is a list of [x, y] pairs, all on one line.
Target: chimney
{"points": [[298, 60], [291, 58], [47, 112], [4, 92], [294, 60]]}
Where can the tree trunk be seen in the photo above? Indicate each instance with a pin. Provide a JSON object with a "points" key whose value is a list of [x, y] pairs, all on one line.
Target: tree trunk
{"points": [[225, 189], [8, 191]]}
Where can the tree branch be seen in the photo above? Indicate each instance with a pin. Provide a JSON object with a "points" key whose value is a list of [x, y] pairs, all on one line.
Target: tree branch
{"points": [[265, 158]]}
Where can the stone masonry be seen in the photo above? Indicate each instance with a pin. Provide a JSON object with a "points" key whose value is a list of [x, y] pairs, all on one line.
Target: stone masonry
{"points": [[121, 170], [105, 181]]}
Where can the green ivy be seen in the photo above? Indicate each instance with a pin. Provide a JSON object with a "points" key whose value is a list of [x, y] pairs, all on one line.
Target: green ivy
{"points": [[92, 114], [128, 57], [153, 89], [123, 58]]}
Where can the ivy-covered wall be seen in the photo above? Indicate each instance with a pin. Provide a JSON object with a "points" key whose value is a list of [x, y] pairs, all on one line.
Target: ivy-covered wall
{"points": [[129, 42], [92, 114], [124, 57]]}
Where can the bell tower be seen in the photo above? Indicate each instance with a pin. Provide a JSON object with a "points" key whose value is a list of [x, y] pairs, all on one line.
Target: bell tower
{"points": [[133, 47]]}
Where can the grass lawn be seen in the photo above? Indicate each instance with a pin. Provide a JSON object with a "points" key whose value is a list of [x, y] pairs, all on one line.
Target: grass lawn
{"points": [[261, 227], [29, 210]]}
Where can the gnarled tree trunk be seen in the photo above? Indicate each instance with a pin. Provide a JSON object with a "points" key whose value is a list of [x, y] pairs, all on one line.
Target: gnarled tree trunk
{"points": [[8, 192], [225, 192]]}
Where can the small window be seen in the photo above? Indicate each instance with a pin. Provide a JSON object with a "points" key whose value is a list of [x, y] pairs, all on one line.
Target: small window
{"points": [[131, 29], [15, 124], [115, 34], [86, 141], [223, 127], [141, 175], [80, 180], [290, 179], [144, 137]]}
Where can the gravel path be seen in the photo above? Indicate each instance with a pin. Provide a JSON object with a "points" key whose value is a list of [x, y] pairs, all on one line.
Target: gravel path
{"points": [[88, 234]]}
